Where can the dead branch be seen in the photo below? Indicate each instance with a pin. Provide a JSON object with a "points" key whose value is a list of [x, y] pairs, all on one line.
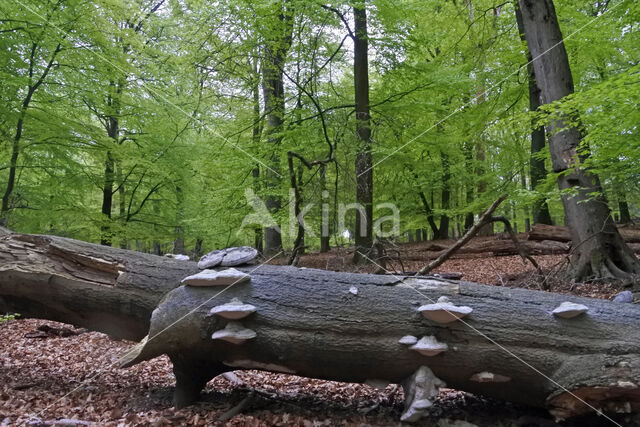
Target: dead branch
{"points": [[485, 218]]}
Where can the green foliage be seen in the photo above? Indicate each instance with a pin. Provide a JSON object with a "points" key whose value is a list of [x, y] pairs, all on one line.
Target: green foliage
{"points": [[448, 100], [8, 317]]}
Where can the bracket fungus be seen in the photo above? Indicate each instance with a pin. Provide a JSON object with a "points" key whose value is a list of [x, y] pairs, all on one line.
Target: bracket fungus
{"points": [[239, 255], [229, 276], [419, 389], [429, 346], [408, 340], [624, 297], [211, 259], [568, 310], [444, 311], [229, 257], [233, 310], [234, 333]]}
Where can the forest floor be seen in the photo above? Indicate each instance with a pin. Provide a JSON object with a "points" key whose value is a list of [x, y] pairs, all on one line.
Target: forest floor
{"points": [[52, 378]]}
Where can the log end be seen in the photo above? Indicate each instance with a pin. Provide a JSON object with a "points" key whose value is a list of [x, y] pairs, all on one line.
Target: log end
{"points": [[621, 397]]}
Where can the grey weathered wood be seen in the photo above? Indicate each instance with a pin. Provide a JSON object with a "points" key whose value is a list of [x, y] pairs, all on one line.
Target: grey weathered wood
{"points": [[310, 322], [98, 287]]}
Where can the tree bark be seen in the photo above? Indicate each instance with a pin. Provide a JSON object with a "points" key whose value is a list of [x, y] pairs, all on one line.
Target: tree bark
{"points": [[443, 231], [276, 49], [600, 252], [31, 89], [623, 207], [537, 170], [312, 323], [364, 160]]}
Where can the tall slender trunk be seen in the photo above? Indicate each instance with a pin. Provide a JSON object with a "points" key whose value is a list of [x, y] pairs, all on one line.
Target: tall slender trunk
{"points": [[276, 51], [428, 211], [537, 171], [32, 87], [623, 207], [107, 200], [113, 132], [364, 161], [600, 251], [256, 133], [468, 161], [122, 205], [325, 235], [443, 231], [13, 166], [178, 242]]}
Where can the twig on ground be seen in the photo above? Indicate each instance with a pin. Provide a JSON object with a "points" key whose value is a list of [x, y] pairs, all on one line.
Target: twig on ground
{"points": [[237, 409]]}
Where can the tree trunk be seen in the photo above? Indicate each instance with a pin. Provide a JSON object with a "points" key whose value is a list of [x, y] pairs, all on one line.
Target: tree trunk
{"points": [[325, 235], [107, 200], [623, 207], [429, 213], [256, 135], [599, 250], [443, 231], [537, 171], [276, 49], [469, 184], [364, 161], [313, 323], [32, 87]]}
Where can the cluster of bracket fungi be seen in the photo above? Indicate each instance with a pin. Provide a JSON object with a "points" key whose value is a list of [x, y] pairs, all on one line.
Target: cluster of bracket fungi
{"points": [[420, 388], [234, 310], [423, 385]]}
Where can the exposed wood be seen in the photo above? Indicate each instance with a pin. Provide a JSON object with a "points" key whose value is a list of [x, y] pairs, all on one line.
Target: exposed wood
{"points": [[97, 287], [312, 323]]}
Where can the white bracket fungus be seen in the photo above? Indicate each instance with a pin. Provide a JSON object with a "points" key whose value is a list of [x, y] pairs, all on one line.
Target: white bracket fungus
{"points": [[228, 257], [443, 311], [353, 290], [408, 340], [234, 310], [211, 259], [234, 333], [419, 389], [567, 310], [216, 278], [429, 346]]}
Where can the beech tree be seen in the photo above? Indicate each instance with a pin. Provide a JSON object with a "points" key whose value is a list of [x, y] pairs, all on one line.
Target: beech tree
{"points": [[198, 98], [600, 252], [364, 162]]}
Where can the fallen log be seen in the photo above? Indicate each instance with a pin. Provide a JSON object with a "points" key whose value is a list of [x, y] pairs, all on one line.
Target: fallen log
{"points": [[96, 287], [499, 247], [336, 326], [549, 232], [561, 234]]}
